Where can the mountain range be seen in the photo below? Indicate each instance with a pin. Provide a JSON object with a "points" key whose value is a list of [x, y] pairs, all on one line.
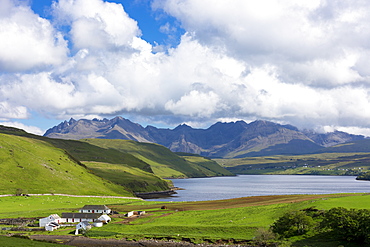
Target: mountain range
{"points": [[221, 140]]}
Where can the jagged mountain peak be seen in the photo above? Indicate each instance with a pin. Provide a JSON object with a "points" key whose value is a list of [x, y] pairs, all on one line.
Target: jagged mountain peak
{"points": [[183, 127], [233, 139]]}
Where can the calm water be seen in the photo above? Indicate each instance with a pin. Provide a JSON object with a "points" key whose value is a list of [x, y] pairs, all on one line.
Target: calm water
{"points": [[201, 189]]}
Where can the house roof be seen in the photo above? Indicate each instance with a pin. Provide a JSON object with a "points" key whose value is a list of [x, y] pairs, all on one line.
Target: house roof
{"points": [[81, 215], [95, 207], [55, 216]]}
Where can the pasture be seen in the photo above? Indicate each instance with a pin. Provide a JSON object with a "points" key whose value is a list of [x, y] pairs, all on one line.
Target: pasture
{"points": [[233, 220]]}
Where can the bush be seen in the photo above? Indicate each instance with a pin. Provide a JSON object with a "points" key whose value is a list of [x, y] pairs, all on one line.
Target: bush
{"points": [[348, 224], [293, 223], [263, 237]]}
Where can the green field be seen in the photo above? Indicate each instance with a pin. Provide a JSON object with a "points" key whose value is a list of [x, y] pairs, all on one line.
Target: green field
{"points": [[233, 220], [42, 206]]}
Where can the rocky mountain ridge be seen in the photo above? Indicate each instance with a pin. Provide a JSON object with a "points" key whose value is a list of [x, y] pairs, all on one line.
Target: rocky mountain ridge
{"points": [[227, 140]]}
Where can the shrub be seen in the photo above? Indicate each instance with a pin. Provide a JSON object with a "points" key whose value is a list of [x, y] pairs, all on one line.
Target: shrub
{"points": [[293, 223], [348, 224]]}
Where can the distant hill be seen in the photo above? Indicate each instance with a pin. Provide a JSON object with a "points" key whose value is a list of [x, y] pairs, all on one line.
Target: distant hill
{"points": [[223, 140]]}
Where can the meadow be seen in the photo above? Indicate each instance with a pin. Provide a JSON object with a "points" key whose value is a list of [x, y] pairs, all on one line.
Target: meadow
{"points": [[43, 206], [233, 220]]}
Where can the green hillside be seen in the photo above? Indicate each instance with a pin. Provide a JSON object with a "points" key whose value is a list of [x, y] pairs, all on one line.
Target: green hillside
{"points": [[34, 166], [208, 166], [163, 162], [138, 167], [130, 177], [310, 164]]}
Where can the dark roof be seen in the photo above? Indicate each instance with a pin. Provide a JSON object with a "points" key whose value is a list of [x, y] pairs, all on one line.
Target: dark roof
{"points": [[95, 207], [81, 215]]}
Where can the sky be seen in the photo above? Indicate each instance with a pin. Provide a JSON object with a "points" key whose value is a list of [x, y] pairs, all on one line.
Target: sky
{"points": [[168, 62]]}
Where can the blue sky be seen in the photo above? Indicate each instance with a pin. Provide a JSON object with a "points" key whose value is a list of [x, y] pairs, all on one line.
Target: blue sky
{"points": [[167, 62]]}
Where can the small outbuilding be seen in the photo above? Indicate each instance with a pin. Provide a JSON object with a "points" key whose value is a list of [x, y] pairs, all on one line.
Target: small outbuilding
{"points": [[95, 209], [97, 224], [52, 226], [134, 213], [104, 218], [82, 226]]}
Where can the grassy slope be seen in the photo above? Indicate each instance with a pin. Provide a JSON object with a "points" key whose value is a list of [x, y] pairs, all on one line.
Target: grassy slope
{"points": [[320, 164], [119, 167], [163, 162], [133, 178], [34, 166], [92, 155], [208, 166]]}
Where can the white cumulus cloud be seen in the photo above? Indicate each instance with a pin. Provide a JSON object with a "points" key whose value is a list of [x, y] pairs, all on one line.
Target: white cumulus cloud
{"points": [[26, 40]]}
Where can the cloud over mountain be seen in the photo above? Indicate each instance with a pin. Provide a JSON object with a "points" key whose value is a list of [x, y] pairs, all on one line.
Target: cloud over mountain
{"points": [[298, 62]]}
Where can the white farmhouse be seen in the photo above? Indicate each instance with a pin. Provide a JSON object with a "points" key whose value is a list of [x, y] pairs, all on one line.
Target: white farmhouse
{"points": [[79, 217], [95, 209], [51, 218]]}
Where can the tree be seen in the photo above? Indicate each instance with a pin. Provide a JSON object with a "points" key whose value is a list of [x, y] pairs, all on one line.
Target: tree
{"points": [[348, 224], [293, 223]]}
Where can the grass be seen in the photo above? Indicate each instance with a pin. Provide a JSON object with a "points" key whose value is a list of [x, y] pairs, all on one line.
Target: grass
{"points": [[43, 206], [22, 242], [163, 162], [208, 166], [224, 219], [34, 166], [131, 178], [234, 220]]}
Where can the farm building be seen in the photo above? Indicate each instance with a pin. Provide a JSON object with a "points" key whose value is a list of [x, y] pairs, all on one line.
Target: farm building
{"points": [[134, 213], [104, 218], [79, 217], [52, 226], [97, 224], [51, 218], [84, 225], [95, 209]]}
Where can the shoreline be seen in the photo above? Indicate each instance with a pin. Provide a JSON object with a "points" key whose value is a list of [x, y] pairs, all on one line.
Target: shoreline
{"points": [[157, 194]]}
